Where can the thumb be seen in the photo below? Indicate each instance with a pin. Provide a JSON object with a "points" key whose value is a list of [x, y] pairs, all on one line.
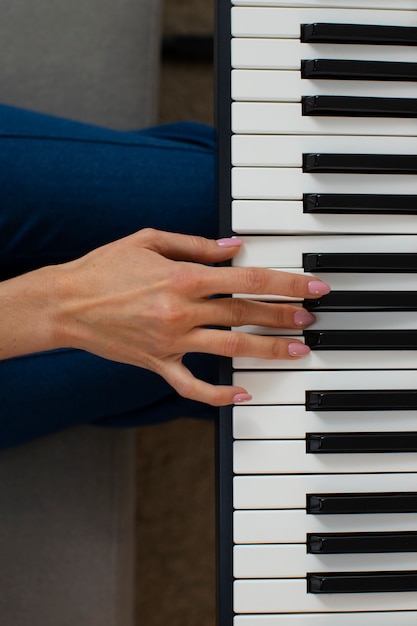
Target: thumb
{"points": [[192, 388]]}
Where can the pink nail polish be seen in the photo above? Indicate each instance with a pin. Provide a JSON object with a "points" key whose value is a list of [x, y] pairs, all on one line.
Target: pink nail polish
{"points": [[298, 349], [241, 397], [318, 288], [303, 318], [229, 242]]}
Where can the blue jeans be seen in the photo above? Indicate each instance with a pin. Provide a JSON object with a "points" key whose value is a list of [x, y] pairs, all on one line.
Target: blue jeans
{"points": [[67, 188]]}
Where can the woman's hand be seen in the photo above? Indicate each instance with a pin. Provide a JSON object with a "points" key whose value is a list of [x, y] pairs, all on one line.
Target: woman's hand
{"points": [[145, 300]]}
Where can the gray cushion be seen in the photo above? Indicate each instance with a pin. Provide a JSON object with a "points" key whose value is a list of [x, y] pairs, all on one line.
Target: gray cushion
{"points": [[93, 60], [67, 502], [67, 529]]}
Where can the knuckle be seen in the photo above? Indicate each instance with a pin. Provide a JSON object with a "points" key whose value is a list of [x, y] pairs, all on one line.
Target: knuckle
{"points": [[278, 350], [183, 277], [185, 388], [148, 235], [235, 344], [238, 312], [168, 311], [295, 285], [255, 280], [199, 244], [285, 315]]}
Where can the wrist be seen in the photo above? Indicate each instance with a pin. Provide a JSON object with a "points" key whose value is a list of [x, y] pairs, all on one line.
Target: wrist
{"points": [[29, 308]]}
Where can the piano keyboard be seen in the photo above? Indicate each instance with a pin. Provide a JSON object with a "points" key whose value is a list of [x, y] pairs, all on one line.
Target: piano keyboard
{"points": [[317, 124]]}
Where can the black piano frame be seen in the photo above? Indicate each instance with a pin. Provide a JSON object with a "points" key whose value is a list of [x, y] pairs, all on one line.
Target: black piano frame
{"points": [[224, 438]]}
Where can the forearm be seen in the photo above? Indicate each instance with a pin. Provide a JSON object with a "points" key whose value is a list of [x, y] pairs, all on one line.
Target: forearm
{"points": [[29, 308]]}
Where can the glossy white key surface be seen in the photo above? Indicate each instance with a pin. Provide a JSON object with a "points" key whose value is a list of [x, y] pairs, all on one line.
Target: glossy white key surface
{"points": [[287, 217], [403, 618], [360, 4], [290, 457], [284, 22], [288, 183], [286, 54], [288, 150], [289, 492], [288, 251], [291, 561], [287, 119], [289, 387], [288, 86], [287, 596], [375, 320], [293, 422], [265, 527], [335, 359]]}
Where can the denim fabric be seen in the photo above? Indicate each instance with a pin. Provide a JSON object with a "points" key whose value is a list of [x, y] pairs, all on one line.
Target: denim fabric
{"points": [[67, 188]]}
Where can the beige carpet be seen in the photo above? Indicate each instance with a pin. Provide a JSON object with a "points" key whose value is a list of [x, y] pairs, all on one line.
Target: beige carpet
{"points": [[175, 520]]}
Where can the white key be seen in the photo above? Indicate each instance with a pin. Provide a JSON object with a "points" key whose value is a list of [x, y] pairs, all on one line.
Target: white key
{"points": [[289, 492], [375, 320], [347, 282], [287, 596], [282, 252], [288, 86], [290, 457], [289, 387], [332, 359], [293, 422], [292, 526], [286, 54], [287, 217], [285, 22], [289, 183], [286, 119], [287, 150], [291, 561], [360, 4], [402, 618]]}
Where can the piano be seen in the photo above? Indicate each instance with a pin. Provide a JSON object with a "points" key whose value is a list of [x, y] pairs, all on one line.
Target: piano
{"points": [[317, 474]]}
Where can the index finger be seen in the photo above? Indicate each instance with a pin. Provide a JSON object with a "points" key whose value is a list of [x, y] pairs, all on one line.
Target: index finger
{"points": [[261, 281]]}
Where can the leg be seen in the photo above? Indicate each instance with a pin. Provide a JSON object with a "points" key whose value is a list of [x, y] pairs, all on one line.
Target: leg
{"points": [[66, 188]]}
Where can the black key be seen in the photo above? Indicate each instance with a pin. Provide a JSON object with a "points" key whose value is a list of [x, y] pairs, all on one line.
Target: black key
{"points": [[361, 582], [346, 443], [359, 204], [361, 503], [362, 400], [359, 34], [360, 262], [361, 543], [361, 339], [360, 163], [354, 106], [364, 301], [347, 69]]}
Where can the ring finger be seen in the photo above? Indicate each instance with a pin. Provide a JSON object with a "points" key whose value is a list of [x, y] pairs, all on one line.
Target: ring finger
{"points": [[236, 312]]}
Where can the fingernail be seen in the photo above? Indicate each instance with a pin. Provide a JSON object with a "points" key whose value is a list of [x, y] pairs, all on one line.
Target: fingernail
{"points": [[303, 318], [241, 397], [229, 242], [318, 288], [298, 349]]}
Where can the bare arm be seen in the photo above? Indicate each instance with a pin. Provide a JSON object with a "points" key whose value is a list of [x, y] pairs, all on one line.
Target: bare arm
{"points": [[145, 300]]}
